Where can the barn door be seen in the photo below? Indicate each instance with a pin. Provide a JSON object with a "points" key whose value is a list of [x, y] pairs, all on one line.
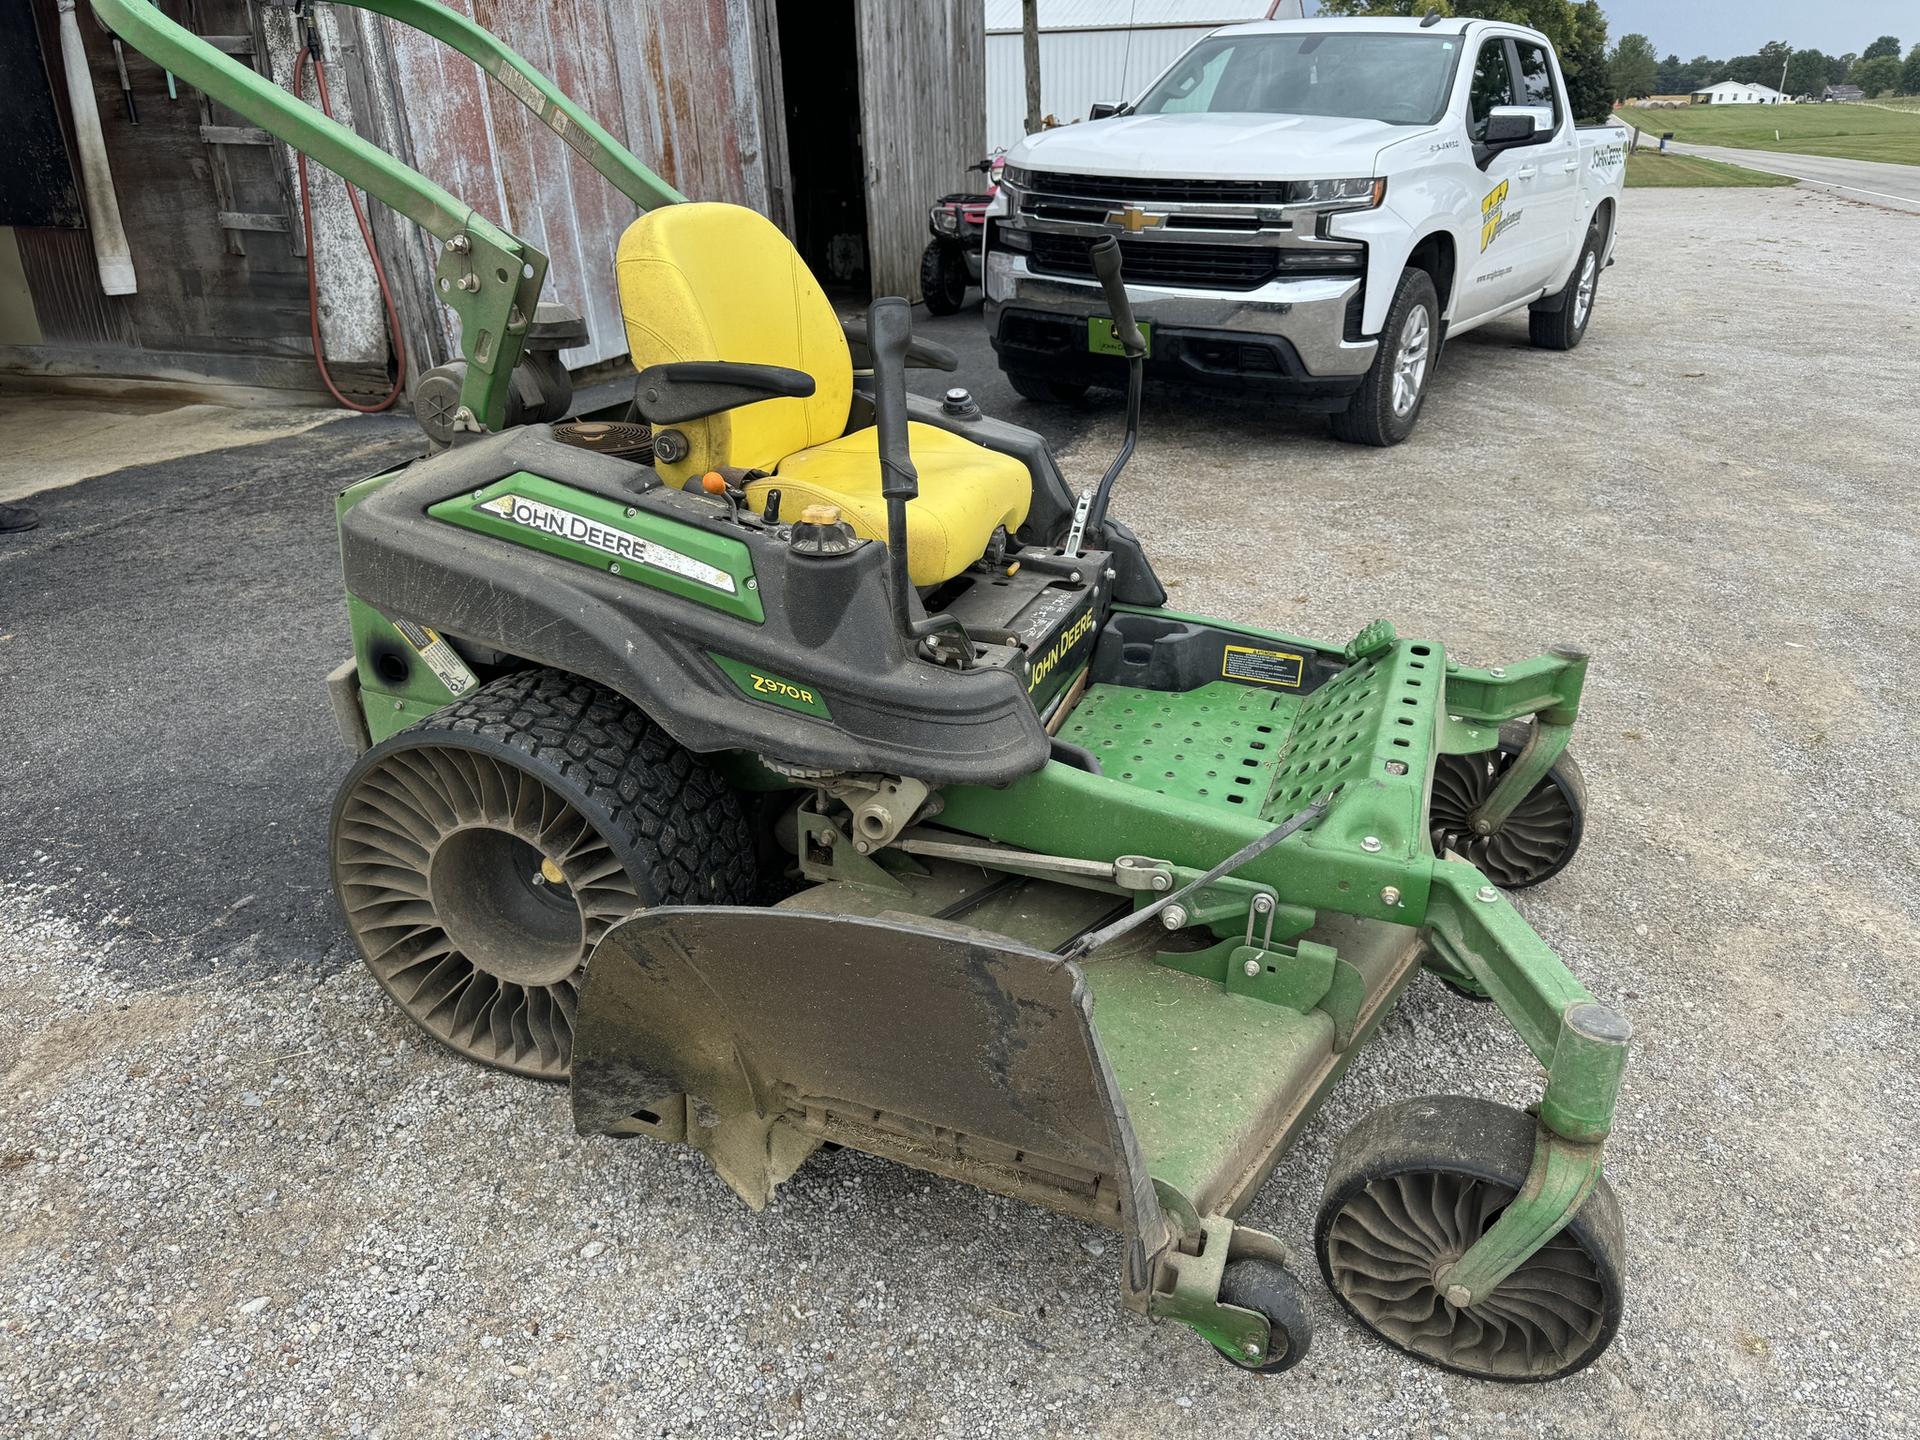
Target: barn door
{"points": [[923, 103]]}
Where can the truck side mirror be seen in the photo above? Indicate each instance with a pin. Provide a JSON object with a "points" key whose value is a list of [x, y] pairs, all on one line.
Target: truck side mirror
{"points": [[1510, 125], [1103, 109]]}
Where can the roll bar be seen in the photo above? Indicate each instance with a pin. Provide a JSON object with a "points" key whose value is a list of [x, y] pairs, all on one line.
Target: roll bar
{"points": [[491, 279]]}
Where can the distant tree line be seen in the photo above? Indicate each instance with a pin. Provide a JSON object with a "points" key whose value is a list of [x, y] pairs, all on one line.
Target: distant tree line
{"points": [[1636, 70]]}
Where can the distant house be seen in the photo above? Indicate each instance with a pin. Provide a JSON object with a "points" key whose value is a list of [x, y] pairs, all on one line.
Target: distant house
{"points": [[1842, 93], [1736, 92]]}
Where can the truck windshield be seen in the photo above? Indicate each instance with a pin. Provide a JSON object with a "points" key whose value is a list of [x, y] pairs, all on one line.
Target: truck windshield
{"points": [[1399, 79]]}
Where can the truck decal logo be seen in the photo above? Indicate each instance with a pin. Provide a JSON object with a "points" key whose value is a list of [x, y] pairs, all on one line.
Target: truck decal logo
{"points": [[1607, 157], [1495, 219], [565, 525], [1133, 219]]}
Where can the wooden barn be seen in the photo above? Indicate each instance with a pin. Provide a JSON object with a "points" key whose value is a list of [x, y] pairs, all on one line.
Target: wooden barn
{"points": [[839, 119]]}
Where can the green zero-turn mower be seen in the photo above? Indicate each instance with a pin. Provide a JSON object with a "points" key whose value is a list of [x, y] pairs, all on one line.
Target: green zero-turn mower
{"points": [[785, 760]]}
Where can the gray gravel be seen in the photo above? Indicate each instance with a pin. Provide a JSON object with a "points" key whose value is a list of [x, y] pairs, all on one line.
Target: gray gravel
{"points": [[243, 1197]]}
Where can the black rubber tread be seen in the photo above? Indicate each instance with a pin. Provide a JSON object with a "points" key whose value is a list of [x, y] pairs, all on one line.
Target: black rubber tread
{"points": [[1043, 391], [1564, 775], [1484, 1141], [1266, 1288], [681, 829], [679, 832], [1555, 329], [1369, 418], [943, 278]]}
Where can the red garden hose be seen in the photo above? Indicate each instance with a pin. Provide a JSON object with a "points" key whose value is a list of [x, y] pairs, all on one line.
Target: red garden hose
{"points": [[308, 57]]}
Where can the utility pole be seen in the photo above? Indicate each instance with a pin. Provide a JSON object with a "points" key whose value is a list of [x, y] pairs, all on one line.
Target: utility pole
{"points": [[1030, 44]]}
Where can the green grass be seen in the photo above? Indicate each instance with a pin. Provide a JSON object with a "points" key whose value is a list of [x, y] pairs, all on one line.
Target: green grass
{"points": [[1852, 132], [1649, 168]]}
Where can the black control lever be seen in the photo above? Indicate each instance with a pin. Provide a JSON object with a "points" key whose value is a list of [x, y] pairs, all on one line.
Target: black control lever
{"points": [[1106, 265], [889, 338]]}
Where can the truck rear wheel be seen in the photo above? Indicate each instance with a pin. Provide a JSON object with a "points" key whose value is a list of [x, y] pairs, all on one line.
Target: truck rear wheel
{"points": [[1565, 326], [1387, 405]]}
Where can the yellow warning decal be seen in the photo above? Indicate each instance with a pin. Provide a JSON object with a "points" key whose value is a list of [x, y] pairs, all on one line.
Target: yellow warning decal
{"points": [[1263, 667]]}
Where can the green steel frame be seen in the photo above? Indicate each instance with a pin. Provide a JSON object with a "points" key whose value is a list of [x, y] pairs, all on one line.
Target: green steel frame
{"points": [[491, 279]]}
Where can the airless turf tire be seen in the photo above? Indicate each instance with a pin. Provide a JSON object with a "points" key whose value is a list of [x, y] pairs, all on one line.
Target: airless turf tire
{"points": [[480, 854], [1542, 835], [1411, 1187]]}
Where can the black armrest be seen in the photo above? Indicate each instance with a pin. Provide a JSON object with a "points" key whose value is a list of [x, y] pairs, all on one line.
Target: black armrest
{"points": [[921, 354], [695, 389]]}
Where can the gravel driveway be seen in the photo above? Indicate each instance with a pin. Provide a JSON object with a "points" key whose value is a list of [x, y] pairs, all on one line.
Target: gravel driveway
{"points": [[243, 1197]]}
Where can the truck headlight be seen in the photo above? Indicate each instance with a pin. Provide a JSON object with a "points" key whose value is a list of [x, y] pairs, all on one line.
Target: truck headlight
{"points": [[1361, 193]]}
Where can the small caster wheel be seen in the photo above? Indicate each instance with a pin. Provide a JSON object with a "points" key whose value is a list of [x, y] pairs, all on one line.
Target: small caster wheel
{"points": [[1540, 837], [1410, 1189], [1265, 1287]]}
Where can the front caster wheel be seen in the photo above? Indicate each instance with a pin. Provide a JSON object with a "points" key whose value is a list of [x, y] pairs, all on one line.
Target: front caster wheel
{"points": [[479, 856], [1410, 1189], [1267, 1289], [1539, 839]]}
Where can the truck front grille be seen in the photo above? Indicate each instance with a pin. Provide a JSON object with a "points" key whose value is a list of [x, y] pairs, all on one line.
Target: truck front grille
{"points": [[1147, 262], [1162, 192]]}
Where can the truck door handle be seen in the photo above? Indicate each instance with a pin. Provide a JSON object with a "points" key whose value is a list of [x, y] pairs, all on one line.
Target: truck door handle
{"points": [[1571, 166], [1527, 173]]}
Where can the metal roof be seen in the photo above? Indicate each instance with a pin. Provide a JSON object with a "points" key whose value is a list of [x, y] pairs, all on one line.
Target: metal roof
{"points": [[1004, 15]]}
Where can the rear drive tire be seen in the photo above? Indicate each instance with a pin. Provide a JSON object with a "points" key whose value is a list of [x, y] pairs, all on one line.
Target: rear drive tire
{"points": [[1565, 327], [1043, 391], [1387, 405], [481, 854], [943, 277]]}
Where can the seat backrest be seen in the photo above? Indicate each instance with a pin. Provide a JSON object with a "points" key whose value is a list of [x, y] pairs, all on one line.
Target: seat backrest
{"points": [[720, 282]]}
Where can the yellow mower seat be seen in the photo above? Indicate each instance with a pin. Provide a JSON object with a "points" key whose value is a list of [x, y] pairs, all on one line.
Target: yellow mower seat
{"points": [[720, 282]]}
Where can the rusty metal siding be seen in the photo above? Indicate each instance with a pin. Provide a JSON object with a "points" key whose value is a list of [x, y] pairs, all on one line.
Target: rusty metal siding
{"points": [[923, 103], [673, 79]]}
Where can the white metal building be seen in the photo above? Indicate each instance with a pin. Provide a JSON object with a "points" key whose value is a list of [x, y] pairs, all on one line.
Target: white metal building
{"points": [[1735, 92], [1093, 50]]}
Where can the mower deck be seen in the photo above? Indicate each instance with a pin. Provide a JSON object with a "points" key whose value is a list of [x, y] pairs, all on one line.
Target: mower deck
{"points": [[1215, 1082]]}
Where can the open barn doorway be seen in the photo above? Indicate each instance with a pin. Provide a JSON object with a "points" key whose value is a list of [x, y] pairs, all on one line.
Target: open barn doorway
{"points": [[820, 78]]}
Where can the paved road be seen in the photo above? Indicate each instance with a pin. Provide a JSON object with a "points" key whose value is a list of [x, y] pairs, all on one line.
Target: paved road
{"points": [[1897, 186]]}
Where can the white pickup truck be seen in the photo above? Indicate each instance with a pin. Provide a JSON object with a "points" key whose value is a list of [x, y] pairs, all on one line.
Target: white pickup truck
{"points": [[1306, 210]]}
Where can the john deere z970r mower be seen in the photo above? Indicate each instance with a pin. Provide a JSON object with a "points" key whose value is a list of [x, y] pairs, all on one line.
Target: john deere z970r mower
{"points": [[784, 760]]}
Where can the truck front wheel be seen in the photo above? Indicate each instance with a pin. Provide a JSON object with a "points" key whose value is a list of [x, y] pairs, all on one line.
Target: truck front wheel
{"points": [[1386, 407], [1565, 325]]}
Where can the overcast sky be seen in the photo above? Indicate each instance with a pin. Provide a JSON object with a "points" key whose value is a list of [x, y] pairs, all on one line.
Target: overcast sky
{"points": [[1722, 28]]}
